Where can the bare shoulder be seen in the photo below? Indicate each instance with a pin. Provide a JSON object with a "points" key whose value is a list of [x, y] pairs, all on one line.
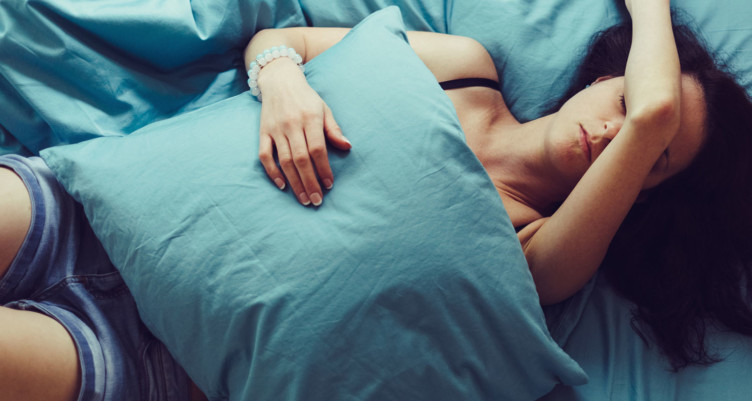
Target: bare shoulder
{"points": [[15, 216], [452, 56]]}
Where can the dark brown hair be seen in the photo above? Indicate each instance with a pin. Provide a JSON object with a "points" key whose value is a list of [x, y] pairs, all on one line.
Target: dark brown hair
{"points": [[683, 256]]}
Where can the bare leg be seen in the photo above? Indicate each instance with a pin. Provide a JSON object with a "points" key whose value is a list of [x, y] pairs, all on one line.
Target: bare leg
{"points": [[15, 216], [38, 359]]}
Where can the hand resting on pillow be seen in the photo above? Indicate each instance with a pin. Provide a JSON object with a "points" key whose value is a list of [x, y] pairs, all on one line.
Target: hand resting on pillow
{"points": [[295, 121]]}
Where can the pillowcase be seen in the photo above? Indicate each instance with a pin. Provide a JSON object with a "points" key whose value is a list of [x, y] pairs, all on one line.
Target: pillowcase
{"points": [[407, 283]]}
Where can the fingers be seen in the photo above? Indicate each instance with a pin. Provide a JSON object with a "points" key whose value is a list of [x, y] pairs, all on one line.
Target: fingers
{"points": [[305, 170], [286, 162], [267, 160], [317, 150], [296, 166], [334, 132], [302, 158]]}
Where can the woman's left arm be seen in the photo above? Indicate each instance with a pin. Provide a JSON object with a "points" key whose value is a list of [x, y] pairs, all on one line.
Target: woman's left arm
{"points": [[566, 249]]}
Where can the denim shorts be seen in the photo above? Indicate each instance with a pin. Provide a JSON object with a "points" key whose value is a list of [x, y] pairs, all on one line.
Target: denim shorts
{"points": [[63, 272]]}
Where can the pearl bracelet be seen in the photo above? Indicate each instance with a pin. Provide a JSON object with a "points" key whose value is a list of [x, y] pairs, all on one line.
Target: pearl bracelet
{"points": [[264, 58]]}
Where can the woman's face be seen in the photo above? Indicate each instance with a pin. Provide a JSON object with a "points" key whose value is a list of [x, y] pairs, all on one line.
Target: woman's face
{"points": [[590, 120]]}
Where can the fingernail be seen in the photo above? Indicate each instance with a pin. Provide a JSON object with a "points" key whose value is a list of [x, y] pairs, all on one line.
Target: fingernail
{"points": [[304, 199], [328, 183], [316, 199], [280, 183]]}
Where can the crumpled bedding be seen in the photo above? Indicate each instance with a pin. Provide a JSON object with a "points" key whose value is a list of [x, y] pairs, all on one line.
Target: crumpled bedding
{"points": [[72, 71]]}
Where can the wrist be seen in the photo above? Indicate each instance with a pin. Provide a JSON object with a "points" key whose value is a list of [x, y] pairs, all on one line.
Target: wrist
{"points": [[279, 59], [641, 9], [278, 70]]}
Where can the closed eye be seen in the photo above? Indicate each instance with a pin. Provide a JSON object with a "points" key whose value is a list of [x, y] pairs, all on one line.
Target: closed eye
{"points": [[623, 104]]}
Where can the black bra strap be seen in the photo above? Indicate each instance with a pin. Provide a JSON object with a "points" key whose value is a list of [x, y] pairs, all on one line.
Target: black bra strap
{"points": [[467, 82]]}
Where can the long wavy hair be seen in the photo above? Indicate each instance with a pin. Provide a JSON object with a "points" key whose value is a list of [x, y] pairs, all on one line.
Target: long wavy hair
{"points": [[683, 256]]}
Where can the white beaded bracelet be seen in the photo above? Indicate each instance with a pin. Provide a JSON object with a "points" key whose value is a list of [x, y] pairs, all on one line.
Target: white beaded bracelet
{"points": [[264, 58]]}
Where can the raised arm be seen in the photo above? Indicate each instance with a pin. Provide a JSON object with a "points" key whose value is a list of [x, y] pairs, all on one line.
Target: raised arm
{"points": [[566, 249], [296, 122]]}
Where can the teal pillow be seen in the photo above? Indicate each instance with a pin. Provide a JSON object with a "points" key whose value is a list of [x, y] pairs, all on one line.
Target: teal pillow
{"points": [[407, 283]]}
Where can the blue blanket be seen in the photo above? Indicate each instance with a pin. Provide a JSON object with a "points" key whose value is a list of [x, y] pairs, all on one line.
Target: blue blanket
{"points": [[72, 71], [407, 283]]}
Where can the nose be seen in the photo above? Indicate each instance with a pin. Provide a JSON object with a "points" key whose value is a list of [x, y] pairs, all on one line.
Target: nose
{"points": [[607, 133], [611, 128]]}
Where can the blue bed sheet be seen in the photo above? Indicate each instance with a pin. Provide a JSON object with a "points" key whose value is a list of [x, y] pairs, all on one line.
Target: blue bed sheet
{"points": [[407, 283], [622, 367], [72, 71]]}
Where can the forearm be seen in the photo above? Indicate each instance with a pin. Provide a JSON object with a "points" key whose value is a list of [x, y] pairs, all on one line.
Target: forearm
{"points": [[569, 247], [269, 38], [307, 42], [653, 75], [432, 48]]}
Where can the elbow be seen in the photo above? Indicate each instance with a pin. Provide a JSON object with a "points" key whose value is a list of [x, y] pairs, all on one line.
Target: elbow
{"points": [[661, 108], [550, 294], [551, 287], [293, 37], [661, 113], [260, 35], [561, 276]]}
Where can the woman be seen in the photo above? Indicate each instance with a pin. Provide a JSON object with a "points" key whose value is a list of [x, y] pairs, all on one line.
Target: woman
{"points": [[624, 134], [559, 159], [682, 253]]}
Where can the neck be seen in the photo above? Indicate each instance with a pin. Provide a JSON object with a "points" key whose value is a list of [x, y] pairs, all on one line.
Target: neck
{"points": [[514, 155]]}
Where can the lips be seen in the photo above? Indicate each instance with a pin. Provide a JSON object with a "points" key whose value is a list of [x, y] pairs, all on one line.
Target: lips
{"points": [[585, 144]]}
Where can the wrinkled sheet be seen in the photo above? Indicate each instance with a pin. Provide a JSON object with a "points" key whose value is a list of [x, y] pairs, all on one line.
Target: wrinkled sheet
{"points": [[408, 282], [73, 70]]}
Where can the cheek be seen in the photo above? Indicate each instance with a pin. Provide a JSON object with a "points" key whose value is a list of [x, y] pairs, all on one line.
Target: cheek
{"points": [[567, 159], [562, 147]]}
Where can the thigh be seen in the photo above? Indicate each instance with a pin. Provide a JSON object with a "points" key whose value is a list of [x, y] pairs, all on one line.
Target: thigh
{"points": [[15, 216], [38, 358]]}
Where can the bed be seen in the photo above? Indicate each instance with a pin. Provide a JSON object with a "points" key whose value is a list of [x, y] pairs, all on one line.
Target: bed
{"points": [[408, 283]]}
